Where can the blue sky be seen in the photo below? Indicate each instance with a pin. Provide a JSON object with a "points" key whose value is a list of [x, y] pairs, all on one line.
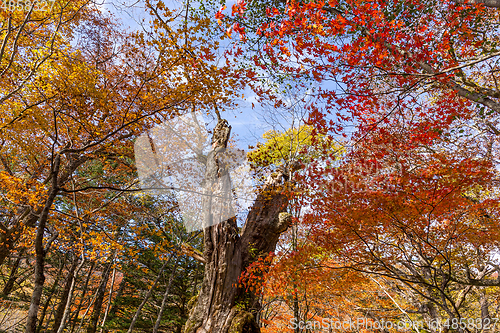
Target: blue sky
{"points": [[248, 124]]}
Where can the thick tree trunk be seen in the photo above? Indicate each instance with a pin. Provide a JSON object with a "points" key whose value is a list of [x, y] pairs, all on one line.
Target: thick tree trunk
{"points": [[222, 306], [40, 251]]}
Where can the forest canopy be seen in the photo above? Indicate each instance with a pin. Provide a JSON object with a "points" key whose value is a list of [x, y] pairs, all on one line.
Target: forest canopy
{"points": [[370, 201]]}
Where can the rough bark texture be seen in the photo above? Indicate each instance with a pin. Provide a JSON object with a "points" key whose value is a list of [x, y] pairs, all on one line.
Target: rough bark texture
{"points": [[222, 307]]}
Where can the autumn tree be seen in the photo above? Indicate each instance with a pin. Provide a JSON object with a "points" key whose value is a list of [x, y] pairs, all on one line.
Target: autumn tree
{"points": [[74, 113], [418, 80]]}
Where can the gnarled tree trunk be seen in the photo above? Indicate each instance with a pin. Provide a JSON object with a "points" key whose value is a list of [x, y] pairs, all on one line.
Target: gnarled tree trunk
{"points": [[221, 306]]}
